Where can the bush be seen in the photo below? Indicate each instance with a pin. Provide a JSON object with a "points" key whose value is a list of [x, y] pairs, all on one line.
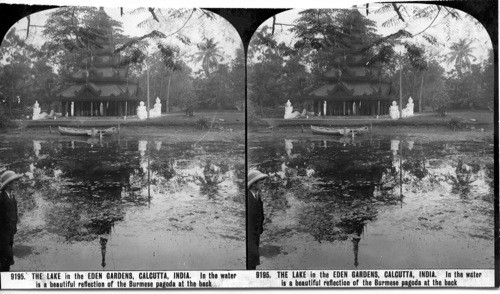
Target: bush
{"points": [[202, 123], [455, 123], [438, 98]]}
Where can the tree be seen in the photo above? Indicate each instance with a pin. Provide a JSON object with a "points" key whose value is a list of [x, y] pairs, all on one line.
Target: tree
{"points": [[237, 78], [427, 16], [469, 89], [14, 74], [438, 97], [461, 55], [276, 72], [431, 78], [209, 55], [77, 31], [489, 80], [405, 66], [323, 34], [214, 91]]}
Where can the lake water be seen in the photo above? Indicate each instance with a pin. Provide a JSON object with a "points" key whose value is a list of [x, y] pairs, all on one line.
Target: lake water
{"points": [[376, 202], [128, 204]]}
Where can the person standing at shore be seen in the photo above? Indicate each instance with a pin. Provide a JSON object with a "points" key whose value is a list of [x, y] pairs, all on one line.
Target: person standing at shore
{"points": [[8, 219], [255, 217]]}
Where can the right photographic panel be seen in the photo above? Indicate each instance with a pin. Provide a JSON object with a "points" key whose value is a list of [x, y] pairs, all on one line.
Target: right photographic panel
{"points": [[370, 135]]}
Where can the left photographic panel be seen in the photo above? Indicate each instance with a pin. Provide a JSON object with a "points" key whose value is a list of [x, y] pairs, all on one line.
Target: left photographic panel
{"points": [[122, 141]]}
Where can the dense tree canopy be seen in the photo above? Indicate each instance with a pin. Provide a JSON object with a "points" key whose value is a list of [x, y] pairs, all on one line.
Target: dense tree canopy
{"points": [[38, 72], [413, 54]]}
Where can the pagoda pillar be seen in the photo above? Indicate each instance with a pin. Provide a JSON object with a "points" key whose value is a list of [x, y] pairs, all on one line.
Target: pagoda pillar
{"points": [[126, 108], [91, 108]]}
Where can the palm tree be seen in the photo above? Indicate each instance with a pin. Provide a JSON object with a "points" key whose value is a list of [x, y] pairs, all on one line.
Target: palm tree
{"points": [[209, 55], [461, 55]]}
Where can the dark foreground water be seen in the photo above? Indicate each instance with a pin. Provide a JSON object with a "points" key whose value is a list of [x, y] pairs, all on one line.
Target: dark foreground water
{"points": [[376, 203], [135, 205]]}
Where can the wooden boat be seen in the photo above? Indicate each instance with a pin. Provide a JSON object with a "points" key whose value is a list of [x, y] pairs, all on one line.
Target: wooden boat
{"points": [[338, 131], [86, 132]]}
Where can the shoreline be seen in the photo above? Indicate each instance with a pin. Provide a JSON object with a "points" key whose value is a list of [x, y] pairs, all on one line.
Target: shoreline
{"points": [[186, 133], [174, 135], [422, 133]]}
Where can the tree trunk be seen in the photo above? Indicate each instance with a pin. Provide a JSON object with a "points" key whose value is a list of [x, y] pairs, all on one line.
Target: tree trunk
{"points": [[400, 89], [10, 103], [168, 92], [413, 84], [421, 89], [147, 87], [161, 88], [261, 110]]}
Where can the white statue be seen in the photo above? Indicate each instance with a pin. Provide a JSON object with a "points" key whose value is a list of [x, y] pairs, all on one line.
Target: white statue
{"points": [[36, 111], [141, 111], [288, 109], [297, 114], [408, 110], [156, 111], [394, 111], [410, 106]]}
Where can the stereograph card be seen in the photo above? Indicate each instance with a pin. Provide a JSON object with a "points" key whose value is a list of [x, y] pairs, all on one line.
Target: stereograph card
{"points": [[244, 145]]}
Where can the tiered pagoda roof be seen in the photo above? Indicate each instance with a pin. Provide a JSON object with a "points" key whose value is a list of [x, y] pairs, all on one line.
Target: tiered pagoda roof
{"points": [[101, 77], [353, 77]]}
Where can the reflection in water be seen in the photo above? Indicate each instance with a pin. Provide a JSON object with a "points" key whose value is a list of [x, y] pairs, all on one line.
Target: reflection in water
{"points": [[129, 204], [389, 202]]}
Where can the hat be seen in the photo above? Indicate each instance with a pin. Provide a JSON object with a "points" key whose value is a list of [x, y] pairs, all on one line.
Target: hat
{"points": [[255, 175], [8, 177]]}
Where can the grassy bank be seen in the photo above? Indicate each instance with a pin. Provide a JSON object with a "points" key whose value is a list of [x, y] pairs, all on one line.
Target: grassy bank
{"points": [[226, 119], [453, 120], [172, 127], [228, 125], [455, 125]]}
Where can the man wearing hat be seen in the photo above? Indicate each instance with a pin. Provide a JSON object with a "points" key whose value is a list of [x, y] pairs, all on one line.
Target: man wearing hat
{"points": [[255, 217], [8, 219]]}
